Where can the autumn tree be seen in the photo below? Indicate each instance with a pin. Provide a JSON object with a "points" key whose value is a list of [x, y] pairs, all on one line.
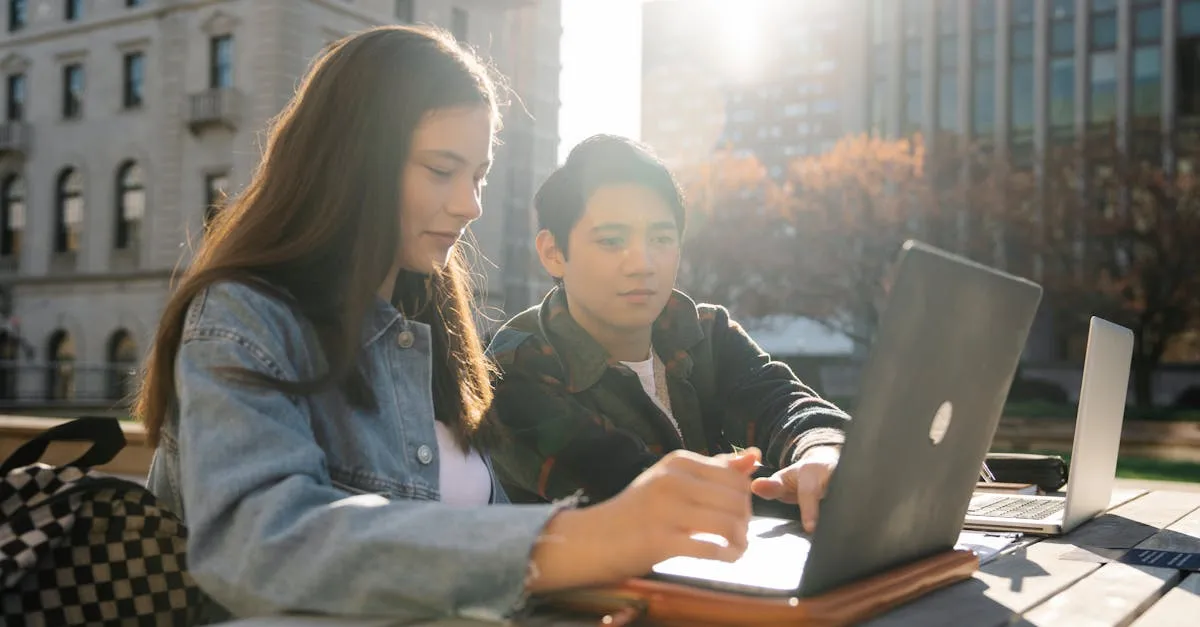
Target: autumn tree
{"points": [[1114, 237], [819, 243]]}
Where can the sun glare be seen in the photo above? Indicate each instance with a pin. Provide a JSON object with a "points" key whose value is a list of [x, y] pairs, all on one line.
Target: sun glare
{"points": [[741, 39]]}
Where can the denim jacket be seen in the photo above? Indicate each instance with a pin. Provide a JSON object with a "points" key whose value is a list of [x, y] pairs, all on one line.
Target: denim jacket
{"points": [[303, 504]]}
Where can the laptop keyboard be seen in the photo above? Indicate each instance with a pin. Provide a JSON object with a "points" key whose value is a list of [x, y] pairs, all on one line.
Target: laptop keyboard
{"points": [[1014, 507]]}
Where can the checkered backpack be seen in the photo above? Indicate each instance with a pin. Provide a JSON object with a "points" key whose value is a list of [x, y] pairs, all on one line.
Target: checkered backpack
{"points": [[81, 548]]}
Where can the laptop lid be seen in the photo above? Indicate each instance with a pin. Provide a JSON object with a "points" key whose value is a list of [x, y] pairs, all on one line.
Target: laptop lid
{"points": [[1098, 421], [931, 397]]}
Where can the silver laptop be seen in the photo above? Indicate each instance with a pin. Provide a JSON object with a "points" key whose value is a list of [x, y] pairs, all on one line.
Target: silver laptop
{"points": [[1093, 453], [932, 393]]}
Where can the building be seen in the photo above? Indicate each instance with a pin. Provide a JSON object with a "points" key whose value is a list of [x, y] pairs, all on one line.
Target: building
{"points": [[127, 120], [772, 77], [1018, 75]]}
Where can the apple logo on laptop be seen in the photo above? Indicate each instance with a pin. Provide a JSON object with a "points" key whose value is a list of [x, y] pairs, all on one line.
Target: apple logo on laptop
{"points": [[941, 422]]}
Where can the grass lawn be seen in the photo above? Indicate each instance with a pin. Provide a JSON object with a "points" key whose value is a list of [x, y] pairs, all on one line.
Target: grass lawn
{"points": [[1157, 469]]}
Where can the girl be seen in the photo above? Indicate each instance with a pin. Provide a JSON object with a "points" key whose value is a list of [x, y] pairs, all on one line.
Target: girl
{"points": [[317, 394]]}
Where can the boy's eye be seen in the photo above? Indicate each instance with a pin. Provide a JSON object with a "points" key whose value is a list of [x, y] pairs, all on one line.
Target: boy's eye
{"points": [[445, 174], [610, 241]]}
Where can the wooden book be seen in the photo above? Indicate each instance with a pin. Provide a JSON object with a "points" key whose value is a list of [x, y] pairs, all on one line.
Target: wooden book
{"points": [[668, 604]]}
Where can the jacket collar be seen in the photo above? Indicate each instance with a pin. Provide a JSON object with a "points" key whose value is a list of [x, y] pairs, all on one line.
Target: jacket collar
{"points": [[676, 330]]}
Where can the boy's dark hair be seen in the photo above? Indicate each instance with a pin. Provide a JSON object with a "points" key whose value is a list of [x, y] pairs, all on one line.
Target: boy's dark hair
{"points": [[598, 161]]}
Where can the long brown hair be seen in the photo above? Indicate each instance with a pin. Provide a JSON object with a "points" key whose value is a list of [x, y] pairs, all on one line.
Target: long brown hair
{"points": [[318, 225]]}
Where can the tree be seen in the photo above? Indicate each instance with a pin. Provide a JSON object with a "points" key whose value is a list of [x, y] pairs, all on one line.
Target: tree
{"points": [[1114, 237], [818, 244]]}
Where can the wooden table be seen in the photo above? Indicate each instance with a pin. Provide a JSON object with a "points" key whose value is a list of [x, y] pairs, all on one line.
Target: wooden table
{"points": [[1043, 582]]}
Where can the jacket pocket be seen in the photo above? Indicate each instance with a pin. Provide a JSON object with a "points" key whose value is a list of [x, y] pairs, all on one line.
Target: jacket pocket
{"points": [[359, 482]]}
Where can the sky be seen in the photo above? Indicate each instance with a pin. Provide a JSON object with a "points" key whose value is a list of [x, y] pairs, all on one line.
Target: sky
{"points": [[600, 84]]}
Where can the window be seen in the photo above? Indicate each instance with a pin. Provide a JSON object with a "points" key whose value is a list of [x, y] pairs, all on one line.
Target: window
{"points": [[1103, 88], [68, 215], [135, 73], [948, 17], [18, 14], [984, 15], [879, 98], [1187, 58], [15, 106], [1022, 11], [60, 374], [1147, 25], [1103, 25], [1062, 93], [12, 215], [1062, 36], [1188, 73], [1189, 17], [122, 362], [459, 21], [983, 56], [72, 101], [1102, 63], [73, 10], [882, 12], [129, 4], [947, 87], [131, 204], [911, 122], [220, 62], [215, 195], [404, 11], [1147, 61], [1062, 68], [1020, 91]]}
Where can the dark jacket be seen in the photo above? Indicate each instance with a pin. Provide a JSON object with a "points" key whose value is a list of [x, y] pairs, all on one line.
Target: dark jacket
{"points": [[580, 420]]}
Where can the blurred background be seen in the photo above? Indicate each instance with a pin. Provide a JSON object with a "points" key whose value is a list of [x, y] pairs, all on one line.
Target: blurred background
{"points": [[1053, 138]]}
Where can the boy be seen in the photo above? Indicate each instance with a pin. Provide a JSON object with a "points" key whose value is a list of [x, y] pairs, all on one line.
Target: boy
{"points": [[616, 367]]}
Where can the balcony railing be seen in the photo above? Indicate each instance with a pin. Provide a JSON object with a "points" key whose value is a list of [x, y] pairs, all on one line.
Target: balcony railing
{"points": [[65, 384], [215, 107], [16, 137]]}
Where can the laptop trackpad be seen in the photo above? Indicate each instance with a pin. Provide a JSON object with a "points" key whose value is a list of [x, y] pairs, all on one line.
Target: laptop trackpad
{"points": [[772, 564]]}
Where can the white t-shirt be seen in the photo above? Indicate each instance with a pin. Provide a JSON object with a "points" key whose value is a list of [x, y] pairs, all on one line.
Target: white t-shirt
{"points": [[463, 479], [645, 373]]}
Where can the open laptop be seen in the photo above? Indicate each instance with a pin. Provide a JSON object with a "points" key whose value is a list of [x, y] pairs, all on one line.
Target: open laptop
{"points": [[931, 396], [1097, 439]]}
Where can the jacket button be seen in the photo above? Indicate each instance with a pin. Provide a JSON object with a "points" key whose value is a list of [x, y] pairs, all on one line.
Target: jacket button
{"points": [[424, 454], [405, 339]]}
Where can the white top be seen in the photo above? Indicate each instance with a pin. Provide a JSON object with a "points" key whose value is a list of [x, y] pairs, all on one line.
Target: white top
{"points": [[462, 479], [645, 373]]}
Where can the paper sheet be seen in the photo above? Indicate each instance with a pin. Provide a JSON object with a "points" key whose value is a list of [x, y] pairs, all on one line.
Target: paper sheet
{"points": [[986, 544]]}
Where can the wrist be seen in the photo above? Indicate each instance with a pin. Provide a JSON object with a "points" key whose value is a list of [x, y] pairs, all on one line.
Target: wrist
{"points": [[569, 553]]}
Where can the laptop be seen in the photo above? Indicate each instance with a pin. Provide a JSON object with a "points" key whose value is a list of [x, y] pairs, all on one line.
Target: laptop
{"points": [[1097, 439], [931, 396]]}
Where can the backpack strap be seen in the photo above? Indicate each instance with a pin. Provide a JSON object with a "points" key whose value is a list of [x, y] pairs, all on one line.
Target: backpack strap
{"points": [[104, 433]]}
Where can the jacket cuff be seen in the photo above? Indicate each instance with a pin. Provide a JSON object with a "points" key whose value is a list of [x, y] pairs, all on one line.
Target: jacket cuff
{"points": [[527, 526], [821, 436]]}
